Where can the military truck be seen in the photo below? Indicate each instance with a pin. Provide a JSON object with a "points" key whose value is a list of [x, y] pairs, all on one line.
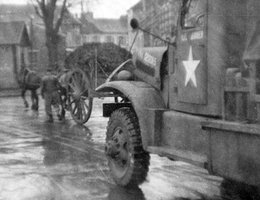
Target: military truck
{"points": [[197, 100]]}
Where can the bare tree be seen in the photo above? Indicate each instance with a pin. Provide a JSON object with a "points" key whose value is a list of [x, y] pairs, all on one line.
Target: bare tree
{"points": [[52, 13], [47, 11]]}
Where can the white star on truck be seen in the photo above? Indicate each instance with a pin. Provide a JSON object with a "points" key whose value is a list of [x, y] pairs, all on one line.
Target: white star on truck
{"points": [[190, 66]]}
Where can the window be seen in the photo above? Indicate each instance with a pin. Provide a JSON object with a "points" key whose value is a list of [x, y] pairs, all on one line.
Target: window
{"points": [[121, 40], [257, 77], [109, 38], [33, 57], [193, 13], [4, 48], [85, 38], [95, 38]]}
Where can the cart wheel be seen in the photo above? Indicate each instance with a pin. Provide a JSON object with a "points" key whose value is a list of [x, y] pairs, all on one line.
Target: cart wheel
{"points": [[79, 100]]}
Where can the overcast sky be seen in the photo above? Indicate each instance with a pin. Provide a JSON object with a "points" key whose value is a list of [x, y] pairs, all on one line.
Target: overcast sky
{"points": [[101, 9]]}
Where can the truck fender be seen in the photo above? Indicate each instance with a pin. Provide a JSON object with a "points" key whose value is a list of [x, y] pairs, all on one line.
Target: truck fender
{"points": [[143, 98]]}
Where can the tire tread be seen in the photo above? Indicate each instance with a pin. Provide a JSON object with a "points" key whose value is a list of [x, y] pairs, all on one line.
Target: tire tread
{"points": [[140, 156]]}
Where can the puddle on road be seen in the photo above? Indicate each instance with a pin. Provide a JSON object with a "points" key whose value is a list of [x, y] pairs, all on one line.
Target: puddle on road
{"points": [[27, 187]]}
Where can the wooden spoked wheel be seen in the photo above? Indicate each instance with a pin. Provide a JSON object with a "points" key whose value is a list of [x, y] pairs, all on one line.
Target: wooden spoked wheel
{"points": [[79, 101]]}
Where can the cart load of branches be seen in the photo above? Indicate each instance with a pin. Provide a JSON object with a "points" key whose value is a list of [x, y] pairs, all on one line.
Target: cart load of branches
{"points": [[103, 57]]}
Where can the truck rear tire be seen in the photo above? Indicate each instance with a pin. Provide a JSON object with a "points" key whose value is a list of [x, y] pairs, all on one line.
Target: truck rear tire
{"points": [[127, 160]]}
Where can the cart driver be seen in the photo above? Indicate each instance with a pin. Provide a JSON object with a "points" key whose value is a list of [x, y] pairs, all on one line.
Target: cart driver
{"points": [[50, 93]]}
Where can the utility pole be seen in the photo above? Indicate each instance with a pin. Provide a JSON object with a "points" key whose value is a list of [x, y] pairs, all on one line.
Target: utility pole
{"points": [[96, 69]]}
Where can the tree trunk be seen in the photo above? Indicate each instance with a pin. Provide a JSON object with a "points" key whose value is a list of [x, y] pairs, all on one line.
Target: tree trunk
{"points": [[52, 47]]}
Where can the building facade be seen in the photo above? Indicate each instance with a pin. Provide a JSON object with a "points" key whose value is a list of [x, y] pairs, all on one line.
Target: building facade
{"points": [[156, 16], [104, 30], [14, 48], [38, 57]]}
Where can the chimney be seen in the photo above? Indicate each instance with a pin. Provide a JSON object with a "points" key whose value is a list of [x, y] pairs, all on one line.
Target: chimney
{"points": [[88, 16]]}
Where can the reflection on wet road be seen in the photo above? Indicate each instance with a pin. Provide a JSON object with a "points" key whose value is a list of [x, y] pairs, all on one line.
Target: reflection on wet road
{"points": [[64, 161]]}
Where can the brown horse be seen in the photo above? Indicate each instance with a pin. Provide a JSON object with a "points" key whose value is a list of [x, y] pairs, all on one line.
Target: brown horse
{"points": [[29, 80]]}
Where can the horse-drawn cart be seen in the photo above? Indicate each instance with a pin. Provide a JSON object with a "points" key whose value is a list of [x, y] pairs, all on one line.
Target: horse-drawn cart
{"points": [[78, 85]]}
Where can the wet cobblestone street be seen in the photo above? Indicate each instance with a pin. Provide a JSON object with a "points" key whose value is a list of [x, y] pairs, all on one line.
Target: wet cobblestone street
{"points": [[64, 161]]}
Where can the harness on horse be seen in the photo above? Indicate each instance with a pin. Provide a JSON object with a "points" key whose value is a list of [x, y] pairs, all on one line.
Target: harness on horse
{"points": [[30, 79]]}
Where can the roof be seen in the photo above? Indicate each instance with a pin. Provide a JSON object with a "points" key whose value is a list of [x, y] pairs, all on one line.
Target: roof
{"points": [[14, 33], [89, 28], [110, 25], [101, 25], [12, 12], [70, 19], [137, 6]]}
